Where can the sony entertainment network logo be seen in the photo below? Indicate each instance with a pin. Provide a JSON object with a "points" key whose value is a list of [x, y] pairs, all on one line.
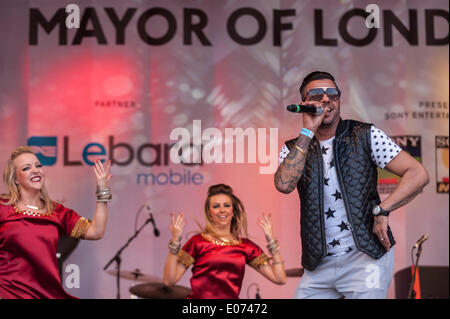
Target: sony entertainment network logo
{"points": [[45, 148]]}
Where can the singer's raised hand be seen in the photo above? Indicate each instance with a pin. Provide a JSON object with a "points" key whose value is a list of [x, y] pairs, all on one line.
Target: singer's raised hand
{"points": [[177, 226]]}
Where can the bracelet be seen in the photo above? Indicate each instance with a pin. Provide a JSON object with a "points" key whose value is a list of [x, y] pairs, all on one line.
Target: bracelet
{"points": [[273, 246], [104, 198], [307, 132], [103, 191], [174, 251], [174, 248], [274, 250], [277, 262], [272, 242], [103, 195], [301, 151]]}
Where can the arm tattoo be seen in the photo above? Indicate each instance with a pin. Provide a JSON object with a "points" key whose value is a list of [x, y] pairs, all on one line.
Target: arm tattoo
{"points": [[291, 169], [404, 201]]}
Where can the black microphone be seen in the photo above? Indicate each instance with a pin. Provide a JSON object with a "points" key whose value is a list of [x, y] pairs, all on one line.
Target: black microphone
{"points": [[257, 295], [420, 241], [155, 229], [310, 109]]}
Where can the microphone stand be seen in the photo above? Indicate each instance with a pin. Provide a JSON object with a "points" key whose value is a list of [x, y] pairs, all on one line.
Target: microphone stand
{"points": [[117, 258], [257, 295], [412, 292]]}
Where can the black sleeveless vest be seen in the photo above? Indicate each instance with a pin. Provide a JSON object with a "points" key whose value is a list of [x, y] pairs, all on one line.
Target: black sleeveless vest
{"points": [[357, 177]]}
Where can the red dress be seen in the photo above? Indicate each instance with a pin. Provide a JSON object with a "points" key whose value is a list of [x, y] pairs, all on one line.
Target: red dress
{"points": [[28, 246], [218, 268]]}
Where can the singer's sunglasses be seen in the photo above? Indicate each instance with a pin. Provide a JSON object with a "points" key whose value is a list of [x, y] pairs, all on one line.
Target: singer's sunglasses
{"points": [[317, 94]]}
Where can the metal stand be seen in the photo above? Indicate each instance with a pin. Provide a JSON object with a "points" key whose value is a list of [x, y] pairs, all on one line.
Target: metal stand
{"points": [[412, 292], [117, 258]]}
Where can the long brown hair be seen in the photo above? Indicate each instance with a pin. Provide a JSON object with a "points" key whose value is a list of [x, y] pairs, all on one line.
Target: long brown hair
{"points": [[239, 220], [9, 178]]}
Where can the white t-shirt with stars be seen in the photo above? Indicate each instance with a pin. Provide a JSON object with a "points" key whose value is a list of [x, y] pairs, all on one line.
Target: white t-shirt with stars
{"points": [[337, 228]]}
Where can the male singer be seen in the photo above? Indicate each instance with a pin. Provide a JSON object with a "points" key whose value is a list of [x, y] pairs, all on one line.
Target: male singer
{"points": [[346, 239]]}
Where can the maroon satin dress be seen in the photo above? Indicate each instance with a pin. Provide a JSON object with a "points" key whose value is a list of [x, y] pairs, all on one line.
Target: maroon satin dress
{"points": [[218, 268], [28, 246]]}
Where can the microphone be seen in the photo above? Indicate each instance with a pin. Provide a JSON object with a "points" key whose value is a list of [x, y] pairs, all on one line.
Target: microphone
{"points": [[310, 109], [155, 229], [420, 241]]}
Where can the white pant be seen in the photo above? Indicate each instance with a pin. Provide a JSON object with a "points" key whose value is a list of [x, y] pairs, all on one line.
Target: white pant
{"points": [[353, 275]]}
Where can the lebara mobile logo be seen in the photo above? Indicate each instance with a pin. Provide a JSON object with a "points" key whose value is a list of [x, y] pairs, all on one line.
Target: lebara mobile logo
{"points": [[412, 144], [45, 148], [442, 164]]}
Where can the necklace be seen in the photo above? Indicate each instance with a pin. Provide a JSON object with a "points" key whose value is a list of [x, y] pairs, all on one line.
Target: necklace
{"points": [[224, 239], [329, 165], [221, 241], [28, 212]]}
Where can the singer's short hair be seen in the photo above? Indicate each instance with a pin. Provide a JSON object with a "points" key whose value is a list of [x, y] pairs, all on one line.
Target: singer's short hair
{"points": [[313, 76]]}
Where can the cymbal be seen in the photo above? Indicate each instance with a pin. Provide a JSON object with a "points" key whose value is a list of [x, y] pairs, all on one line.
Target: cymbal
{"points": [[134, 275], [159, 291], [294, 272]]}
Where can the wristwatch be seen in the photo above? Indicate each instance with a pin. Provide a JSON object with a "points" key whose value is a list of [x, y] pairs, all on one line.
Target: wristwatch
{"points": [[377, 210]]}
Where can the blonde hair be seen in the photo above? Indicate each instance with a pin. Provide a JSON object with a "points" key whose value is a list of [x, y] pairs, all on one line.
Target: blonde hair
{"points": [[9, 178], [239, 220]]}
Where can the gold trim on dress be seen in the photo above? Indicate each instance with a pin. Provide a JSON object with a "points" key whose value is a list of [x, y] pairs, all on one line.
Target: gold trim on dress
{"points": [[185, 258], [80, 228], [261, 260], [219, 242]]}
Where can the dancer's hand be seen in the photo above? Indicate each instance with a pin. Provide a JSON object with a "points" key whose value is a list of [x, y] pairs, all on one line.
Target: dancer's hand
{"points": [[102, 173], [177, 226], [265, 222]]}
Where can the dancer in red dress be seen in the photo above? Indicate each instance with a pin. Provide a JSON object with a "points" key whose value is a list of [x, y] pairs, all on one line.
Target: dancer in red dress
{"points": [[219, 253], [31, 223]]}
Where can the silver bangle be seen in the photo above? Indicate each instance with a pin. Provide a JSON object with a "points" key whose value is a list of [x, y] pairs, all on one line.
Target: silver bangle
{"points": [[174, 248], [103, 195], [106, 190], [273, 246]]}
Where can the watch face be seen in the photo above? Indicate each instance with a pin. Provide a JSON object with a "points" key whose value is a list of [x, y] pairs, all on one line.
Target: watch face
{"points": [[376, 210]]}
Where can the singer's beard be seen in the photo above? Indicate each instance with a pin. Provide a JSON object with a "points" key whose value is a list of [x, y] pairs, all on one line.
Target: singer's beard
{"points": [[328, 124], [335, 113]]}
